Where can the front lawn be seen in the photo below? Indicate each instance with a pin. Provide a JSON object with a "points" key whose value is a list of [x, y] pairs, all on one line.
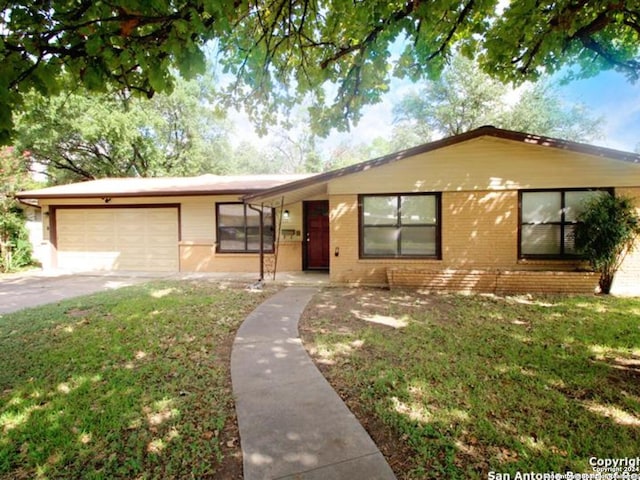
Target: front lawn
{"points": [[132, 383], [456, 386]]}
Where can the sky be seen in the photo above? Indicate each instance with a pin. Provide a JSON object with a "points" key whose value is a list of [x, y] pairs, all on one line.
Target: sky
{"points": [[609, 96], [612, 97]]}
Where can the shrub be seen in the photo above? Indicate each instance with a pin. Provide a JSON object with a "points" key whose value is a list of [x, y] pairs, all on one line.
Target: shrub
{"points": [[606, 232], [15, 248]]}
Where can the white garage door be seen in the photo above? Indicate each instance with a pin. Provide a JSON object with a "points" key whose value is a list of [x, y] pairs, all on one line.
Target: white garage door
{"points": [[144, 239]]}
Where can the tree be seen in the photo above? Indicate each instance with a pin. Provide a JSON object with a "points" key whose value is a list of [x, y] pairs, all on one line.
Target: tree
{"points": [[290, 151], [283, 50], [605, 233], [294, 151], [464, 98], [15, 248], [541, 110], [351, 47], [248, 159], [348, 152], [80, 136]]}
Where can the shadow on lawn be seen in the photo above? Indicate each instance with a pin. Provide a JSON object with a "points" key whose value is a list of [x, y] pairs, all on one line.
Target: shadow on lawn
{"points": [[128, 419], [121, 384], [480, 383]]}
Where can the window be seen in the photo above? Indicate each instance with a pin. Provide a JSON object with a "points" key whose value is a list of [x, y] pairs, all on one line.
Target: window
{"points": [[400, 225], [239, 228], [548, 219]]}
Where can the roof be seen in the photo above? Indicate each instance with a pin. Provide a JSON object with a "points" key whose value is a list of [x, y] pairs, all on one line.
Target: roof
{"points": [[257, 188], [163, 186], [317, 184]]}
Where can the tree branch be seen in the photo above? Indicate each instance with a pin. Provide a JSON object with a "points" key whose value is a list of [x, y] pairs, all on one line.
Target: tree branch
{"points": [[463, 14], [371, 36]]}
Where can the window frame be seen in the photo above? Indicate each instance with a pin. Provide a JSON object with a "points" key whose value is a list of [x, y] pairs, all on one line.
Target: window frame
{"points": [[268, 248], [438, 226], [562, 223]]}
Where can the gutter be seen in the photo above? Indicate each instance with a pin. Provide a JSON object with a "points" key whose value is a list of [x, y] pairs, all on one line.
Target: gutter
{"points": [[28, 204], [151, 194]]}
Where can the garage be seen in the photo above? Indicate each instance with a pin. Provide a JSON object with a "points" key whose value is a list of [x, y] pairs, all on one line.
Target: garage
{"points": [[117, 238]]}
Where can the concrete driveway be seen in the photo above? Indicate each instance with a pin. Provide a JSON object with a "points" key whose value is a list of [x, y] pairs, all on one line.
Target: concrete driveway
{"points": [[35, 288]]}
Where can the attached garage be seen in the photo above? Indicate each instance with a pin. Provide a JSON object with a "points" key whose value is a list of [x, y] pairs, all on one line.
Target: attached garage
{"points": [[165, 224], [117, 238]]}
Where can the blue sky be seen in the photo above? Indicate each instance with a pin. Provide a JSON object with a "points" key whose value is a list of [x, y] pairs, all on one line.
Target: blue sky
{"points": [[608, 95], [612, 97]]}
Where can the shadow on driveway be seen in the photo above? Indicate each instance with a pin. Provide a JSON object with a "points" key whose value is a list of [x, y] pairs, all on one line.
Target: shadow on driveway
{"points": [[35, 288], [38, 287]]}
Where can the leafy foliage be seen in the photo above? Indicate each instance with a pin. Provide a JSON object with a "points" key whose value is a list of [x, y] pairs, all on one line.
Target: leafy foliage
{"points": [[464, 98], [541, 110], [84, 135], [128, 44], [15, 248], [340, 53], [351, 46], [349, 152], [607, 231], [289, 152], [292, 148]]}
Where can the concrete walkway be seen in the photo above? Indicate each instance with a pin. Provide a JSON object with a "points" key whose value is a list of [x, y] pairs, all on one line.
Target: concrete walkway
{"points": [[292, 423]]}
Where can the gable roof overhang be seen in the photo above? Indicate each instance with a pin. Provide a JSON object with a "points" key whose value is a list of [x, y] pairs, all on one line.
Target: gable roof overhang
{"points": [[299, 190]]}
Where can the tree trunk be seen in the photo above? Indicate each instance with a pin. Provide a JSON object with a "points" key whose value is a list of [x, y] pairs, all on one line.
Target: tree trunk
{"points": [[606, 279]]}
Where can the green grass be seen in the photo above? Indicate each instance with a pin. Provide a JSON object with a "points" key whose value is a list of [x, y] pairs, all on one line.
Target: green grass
{"points": [[472, 384], [132, 383]]}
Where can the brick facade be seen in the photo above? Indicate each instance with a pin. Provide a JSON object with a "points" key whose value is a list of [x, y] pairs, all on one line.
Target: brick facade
{"points": [[479, 252]]}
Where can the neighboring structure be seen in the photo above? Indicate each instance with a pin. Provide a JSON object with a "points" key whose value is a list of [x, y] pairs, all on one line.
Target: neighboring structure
{"points": [[490, 210]]}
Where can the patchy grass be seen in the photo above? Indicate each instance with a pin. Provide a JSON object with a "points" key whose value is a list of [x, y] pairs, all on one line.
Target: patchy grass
{"points": [[457, 386], [132, 383]]}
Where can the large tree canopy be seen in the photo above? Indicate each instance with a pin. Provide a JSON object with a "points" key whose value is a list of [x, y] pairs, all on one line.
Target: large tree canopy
{"points": [[341, 53], [464, 98], [79, 136]]}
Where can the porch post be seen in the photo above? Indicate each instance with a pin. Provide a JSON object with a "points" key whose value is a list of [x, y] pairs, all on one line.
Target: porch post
{"points": [[260, 233]]}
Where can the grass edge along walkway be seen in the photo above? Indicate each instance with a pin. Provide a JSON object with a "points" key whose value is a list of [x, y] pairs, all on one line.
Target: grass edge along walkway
{"points": [[292, 423]]}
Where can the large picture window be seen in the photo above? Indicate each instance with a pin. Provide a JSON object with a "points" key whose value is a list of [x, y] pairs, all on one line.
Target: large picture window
{"points": [[400, 225], [239, 228], [548, 219]]}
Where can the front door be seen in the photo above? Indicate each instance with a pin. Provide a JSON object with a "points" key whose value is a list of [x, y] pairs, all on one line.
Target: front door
{"points": [[316, 225]]}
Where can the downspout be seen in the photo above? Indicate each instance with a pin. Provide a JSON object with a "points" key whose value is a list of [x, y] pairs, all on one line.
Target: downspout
{"points": [[260, 231], [277, 239]]}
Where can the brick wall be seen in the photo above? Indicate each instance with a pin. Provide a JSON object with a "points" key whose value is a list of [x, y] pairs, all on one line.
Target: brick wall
{"points": [[479, 251], [493, 281], [202, 257]]}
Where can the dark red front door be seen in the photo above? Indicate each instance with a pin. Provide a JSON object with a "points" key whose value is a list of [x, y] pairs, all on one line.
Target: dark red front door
{"points": [[316, 216]]}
